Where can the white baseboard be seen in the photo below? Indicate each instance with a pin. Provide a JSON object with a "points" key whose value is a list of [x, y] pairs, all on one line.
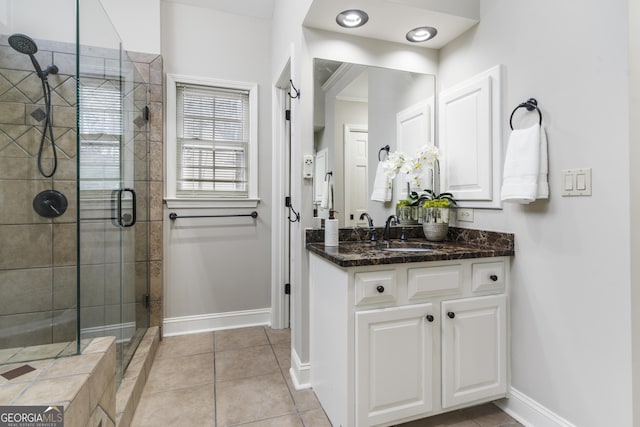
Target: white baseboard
{"points": [[215, 321], [529, 412], [300, 372]]}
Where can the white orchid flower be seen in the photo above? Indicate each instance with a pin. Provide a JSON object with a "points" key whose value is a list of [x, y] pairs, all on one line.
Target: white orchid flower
{"points": [[414, 167], [429, 154]]}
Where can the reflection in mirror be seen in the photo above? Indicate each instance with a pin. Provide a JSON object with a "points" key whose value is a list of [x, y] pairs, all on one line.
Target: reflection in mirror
{"points": [[358, 110]]}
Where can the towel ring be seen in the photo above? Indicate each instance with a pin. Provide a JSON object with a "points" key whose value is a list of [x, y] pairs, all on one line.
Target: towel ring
{"points": [[530, 104], [385, 148]]}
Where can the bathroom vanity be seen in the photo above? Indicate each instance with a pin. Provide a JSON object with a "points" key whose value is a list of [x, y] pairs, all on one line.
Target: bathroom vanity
{"points": [[407, 333]]}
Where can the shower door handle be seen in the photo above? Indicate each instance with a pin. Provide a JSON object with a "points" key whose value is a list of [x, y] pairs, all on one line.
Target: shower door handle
{"points": [[128, 222]]}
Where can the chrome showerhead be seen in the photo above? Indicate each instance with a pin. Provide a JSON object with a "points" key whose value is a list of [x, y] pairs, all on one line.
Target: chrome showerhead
{"points": [[23, 44]]}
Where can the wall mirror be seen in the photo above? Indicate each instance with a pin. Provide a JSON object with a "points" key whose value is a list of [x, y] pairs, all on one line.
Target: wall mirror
{"points": [[358, 110]]}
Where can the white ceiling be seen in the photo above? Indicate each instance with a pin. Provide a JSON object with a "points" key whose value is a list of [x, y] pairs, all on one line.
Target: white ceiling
{"points": [[256, 8], [390, 20], [357, 90]]}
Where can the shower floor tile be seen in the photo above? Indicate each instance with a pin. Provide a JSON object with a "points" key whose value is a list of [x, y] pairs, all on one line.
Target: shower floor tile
{"points": [[241, 377], [36, 352], [7, 354]]}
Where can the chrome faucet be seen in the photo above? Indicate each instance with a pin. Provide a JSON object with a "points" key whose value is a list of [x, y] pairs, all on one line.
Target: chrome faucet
{"points": [[372, 229], [387, 227]]}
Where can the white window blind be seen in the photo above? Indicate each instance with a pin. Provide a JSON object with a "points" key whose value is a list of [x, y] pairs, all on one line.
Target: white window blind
{"points": [[100, 108], [213, 128], [100, 121]]}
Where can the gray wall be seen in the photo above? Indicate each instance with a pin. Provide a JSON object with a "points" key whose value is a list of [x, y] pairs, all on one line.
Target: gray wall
{"points": [[220, 265], [572, 254]]}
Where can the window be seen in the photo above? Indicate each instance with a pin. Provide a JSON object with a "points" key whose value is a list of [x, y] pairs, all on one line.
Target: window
{"points": [[100, 120], [211, 147], [213, 136]]}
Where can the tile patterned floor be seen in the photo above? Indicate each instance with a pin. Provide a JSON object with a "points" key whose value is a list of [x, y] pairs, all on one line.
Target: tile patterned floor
{"points": [[240, 377]]}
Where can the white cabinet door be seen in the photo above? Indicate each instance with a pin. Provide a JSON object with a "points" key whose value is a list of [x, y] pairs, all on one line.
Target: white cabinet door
{"points": [[470, 140], [394, 363], [474, 349]]}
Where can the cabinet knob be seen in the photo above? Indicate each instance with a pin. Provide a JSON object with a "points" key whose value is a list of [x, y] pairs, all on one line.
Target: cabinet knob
{"points": [[451, 314], [493, 277], [429, 318], [380, 288]]}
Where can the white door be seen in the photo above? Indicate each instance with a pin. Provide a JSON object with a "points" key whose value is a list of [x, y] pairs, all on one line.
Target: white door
{"points": [[413, 131], [286, 300], [356, 178], [281, 243], [474, 350], [394, 364]]}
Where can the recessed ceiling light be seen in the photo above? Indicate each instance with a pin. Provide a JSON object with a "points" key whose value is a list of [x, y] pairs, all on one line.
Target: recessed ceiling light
{"points": [[352, 18], [421, 34]]}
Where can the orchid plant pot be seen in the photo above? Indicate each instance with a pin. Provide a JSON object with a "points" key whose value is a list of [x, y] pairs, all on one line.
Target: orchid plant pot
{"points": [[435, 223], [408, 215]]}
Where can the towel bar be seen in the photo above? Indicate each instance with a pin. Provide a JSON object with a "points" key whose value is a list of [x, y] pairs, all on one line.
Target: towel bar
{"points": [[173, 216], [530, 104]]}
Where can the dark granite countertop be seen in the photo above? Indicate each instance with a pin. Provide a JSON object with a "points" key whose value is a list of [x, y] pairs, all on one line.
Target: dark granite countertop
{"points": [[460, 244]]}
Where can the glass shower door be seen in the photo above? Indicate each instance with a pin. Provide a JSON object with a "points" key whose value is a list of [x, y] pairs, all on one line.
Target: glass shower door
{"points": [[132, 209], [112, 188]]}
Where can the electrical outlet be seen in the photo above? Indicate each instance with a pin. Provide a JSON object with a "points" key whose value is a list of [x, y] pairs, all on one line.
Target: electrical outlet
{"points": [[465, 215]]}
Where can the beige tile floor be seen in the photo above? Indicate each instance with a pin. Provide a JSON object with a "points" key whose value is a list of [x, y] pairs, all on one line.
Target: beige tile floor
{"points": [[240, 377]]}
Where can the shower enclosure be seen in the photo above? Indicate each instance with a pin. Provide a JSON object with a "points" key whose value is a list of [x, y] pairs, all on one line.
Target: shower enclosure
{"points": [[74, 184]]}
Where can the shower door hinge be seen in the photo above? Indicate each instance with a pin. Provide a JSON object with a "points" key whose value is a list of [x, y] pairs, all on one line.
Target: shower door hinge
{"points": [[287, 115], [287, 289], [145, 112], [147, 300]]}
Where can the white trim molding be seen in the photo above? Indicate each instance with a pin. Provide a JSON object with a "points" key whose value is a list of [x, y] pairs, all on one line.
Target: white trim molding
{"points": [[529, 412], [299, 372], [215, 321], [178, 203]]}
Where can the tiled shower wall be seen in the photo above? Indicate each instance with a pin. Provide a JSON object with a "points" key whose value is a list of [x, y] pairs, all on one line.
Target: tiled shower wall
{"points": [[150, 68], [38, 255]]}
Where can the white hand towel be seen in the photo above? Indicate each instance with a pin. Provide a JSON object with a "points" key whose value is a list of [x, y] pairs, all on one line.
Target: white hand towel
{"points": [[327, 198], [543, 183], [381, 186], [525, 166]]}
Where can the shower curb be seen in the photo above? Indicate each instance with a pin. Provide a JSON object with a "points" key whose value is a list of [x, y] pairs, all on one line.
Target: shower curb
{"points": [[83, 384], [135, 377]]}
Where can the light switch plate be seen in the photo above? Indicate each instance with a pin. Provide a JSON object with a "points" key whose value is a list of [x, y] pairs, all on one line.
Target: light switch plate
{"points": [[575, 182], [465, 215]]}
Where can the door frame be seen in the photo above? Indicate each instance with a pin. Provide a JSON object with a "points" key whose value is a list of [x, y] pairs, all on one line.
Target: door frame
{"points": [[280, 235]]}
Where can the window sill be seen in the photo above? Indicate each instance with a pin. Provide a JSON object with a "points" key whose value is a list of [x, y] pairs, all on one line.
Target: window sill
{"points": [[173, 203]]}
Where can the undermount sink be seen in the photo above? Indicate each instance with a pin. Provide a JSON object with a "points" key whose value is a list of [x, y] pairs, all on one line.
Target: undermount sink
{"points": [[407, 249]]}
